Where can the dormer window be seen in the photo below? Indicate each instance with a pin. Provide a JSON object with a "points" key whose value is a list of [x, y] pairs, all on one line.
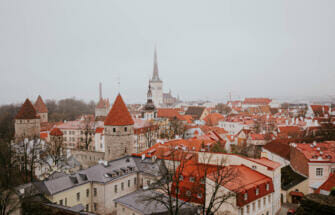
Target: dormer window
{"points": [[267, 186], [191, 179], [188, 193], [257, 191], [246, 196], [181, 178], [202, 181]]}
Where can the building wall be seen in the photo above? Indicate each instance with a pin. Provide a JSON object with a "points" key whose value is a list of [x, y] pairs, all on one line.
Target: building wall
{"points": [[315, 179], [87, 158], [119, 141], [157, 92], [27, 128], [43, 117], [69, 197], [271, 156], [124, 210], [301, 187]]}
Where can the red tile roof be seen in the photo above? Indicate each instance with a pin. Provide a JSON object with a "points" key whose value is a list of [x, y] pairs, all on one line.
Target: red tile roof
{"points": [[56, 132], [257, 101], [280, 149], [247, 181], [323, 152], [213, 119], [44, 135], [119, 114], [101, 104], [168, 113], [320, 110], [27, 111], [328, 184], [40, 105]]}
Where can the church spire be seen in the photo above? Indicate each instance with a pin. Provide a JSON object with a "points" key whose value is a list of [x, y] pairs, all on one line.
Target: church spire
{"points": [[155, 76]]}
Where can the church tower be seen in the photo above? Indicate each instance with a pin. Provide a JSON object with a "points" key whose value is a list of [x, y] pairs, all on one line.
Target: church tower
{"points": [[102, 108], [118, 131], [27, 122], [156, 84], [149, 110], [41, 108]]}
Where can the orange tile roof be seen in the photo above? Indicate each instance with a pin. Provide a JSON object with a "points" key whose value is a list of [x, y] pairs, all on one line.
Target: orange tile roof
{"points": [[44, 135], [168, 113], [247, 181], [56, 132], [257, 101], [213, 119], [119, 114], [318, 152], [328, 184], [27, 111], [40, 105], [101, 104]]}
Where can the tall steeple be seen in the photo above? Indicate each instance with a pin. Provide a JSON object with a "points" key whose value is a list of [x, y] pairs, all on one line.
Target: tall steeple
{"points": [[100, 90], [155, 76]]}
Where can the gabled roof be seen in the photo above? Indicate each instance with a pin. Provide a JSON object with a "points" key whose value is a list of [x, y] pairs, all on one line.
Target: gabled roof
{"points": [[40, 105], [195, 111], [213, 119], [101, 104], [280, 149], [327, 186], [56, 132], [27, 111], [119, 114]]}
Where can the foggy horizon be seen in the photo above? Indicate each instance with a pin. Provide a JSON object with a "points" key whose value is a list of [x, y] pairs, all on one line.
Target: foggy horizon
{"points": [[205, 50]]}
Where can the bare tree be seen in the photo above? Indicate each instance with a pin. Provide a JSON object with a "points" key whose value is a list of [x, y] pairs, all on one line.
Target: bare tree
{"points": [[167, 184], [150, 134], [176, 127], [87, 127]]}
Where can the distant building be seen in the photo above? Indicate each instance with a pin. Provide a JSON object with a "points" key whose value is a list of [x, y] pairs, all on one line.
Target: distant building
{"points": [[27, 122], [156, 85], [149, 110], [103, 106], [41, 109]]}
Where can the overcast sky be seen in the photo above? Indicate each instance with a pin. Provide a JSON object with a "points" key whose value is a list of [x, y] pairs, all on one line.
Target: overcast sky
{"points": [[206, 49]]}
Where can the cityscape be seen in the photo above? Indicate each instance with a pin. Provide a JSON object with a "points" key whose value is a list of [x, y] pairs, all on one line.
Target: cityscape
{"points": [[132, 143]]}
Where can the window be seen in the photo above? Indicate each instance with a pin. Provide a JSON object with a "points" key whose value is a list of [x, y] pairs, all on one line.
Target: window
{"points": [[148, 182], [199, 195], [122, 186], [246, 196], [319, 171], [248, 209], [87, 193], [87, 207], [259, 204], [135, 181], [123, 209], [188, 193], [61, 202], [125, 128], [332, 170], [115, 188], [269, 198], [267, 186], [95, 191], [128, 183], [95, 206], [257, 191], [115, 205], [78, 196], [264, 201], [241, 211], [114, 130], [191, 179], [253, 206], [267, 213], [65, 201], [181, 178]]}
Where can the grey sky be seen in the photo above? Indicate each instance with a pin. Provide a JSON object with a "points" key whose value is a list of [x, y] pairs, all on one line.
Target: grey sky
{"points": [[64, 48]]}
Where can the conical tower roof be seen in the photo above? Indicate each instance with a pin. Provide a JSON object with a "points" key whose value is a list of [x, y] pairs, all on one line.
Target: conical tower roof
{"points": [[40, 105], [119, 114], [27, 111]]}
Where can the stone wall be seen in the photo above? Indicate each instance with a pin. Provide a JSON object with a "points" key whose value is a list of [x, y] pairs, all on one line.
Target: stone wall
{"points": [[87, 158], [27, 128]]}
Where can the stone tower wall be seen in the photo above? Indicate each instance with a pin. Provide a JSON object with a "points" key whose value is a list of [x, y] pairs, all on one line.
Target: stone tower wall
{"points": [[43, 117], [157, 92], [27, 128], [119, 141]]}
